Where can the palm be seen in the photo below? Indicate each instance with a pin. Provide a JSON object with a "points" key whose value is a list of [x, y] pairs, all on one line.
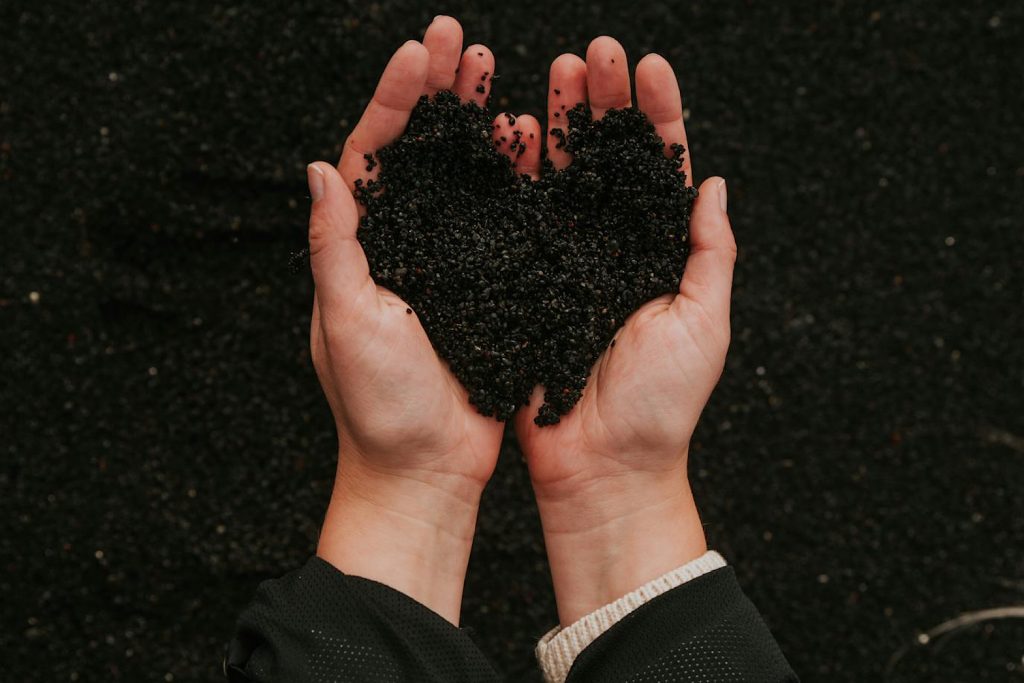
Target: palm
{"points": [[393, 389], [630, 416]]}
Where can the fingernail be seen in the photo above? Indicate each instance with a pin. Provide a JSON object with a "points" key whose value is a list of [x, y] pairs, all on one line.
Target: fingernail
{"points": [[723, 196], [315, 177]]}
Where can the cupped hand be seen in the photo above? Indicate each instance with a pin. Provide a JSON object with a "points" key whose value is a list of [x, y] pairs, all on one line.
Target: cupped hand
{"points": [[610, 478], [397, 407], [414, 455]]}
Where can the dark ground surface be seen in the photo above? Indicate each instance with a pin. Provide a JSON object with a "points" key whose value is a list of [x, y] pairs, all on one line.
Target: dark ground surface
{"points": [[165, 445]]}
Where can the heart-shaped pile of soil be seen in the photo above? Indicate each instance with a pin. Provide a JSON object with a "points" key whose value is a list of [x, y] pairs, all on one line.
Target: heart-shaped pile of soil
{"points": [[519, 283]]}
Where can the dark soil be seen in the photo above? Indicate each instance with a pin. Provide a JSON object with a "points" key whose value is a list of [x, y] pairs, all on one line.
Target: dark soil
{"points": [[520, 283], [450, 229], [164, 445]]}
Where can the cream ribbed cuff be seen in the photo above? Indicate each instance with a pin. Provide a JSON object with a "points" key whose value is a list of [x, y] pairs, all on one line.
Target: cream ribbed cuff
{"points": [[558, 649]]}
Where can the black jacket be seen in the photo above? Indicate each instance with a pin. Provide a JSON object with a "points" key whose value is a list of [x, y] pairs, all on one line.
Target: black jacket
{"points": [[317, 625]]}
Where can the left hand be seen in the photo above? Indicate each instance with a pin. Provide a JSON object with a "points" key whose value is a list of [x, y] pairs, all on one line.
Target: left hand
{"points": [[610, 478]]}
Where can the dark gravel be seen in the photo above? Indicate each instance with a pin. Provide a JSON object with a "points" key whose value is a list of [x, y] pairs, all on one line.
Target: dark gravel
{"points": [[450, 228], [165, 445], [516, 282]]}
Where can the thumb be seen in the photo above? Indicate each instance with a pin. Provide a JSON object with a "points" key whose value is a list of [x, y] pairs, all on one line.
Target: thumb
{"points": [[336, 257], [707, 279]]}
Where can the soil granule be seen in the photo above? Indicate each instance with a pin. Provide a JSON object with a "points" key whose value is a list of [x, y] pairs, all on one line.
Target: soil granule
{"points": [[519, 283]]}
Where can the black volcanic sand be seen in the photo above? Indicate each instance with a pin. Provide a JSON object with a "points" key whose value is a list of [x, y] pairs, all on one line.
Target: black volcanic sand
{"points": [[165, 446], [520, 283]]}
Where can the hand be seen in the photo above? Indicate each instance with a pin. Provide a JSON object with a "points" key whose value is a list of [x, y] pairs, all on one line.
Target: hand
{"points": [[414, 455], [610, 478]]}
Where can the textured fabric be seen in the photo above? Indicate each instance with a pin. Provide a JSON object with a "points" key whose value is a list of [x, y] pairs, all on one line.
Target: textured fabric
{"points": [[317, 625], [557, 650], [704, 631]]}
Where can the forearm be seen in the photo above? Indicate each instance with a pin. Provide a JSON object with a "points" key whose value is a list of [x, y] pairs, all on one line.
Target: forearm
{"points": [[607, 538], [410, 535]]}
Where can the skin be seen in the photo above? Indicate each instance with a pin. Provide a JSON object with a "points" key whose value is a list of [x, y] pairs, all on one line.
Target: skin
{"points": [[414, 455], [611, 478]]}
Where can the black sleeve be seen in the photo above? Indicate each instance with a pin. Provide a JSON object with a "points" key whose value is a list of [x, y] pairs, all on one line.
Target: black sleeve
{"points": [[704, 630], [317, 625]]}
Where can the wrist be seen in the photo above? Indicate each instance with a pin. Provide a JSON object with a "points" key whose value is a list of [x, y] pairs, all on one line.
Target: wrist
{"points": [[411, 533], [608, 537]]}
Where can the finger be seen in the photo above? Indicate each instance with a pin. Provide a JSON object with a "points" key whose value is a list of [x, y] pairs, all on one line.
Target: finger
{"points": [[707, 279], [339, 265], [657, 95], [527, 160], [607, 76], [387, 114], [567, 87], [443, 41], [504, 134], [476, 69], [518, 138]]}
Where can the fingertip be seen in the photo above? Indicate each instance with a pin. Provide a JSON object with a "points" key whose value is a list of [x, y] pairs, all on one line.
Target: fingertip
{"points": [[315, 180], [446, 20], [607, 76], [652, 60], [447, 27], [416, 55], [332, 199], [482, 56], [566, 64], [443, 40], [329, 173], [404, 77], [657, 91], [606, 56], [528, 155], [529, 123], [413, 46], [653, 72], [715, 187], [412, 53], [318, 166], [604, 45], [475, 74]]}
